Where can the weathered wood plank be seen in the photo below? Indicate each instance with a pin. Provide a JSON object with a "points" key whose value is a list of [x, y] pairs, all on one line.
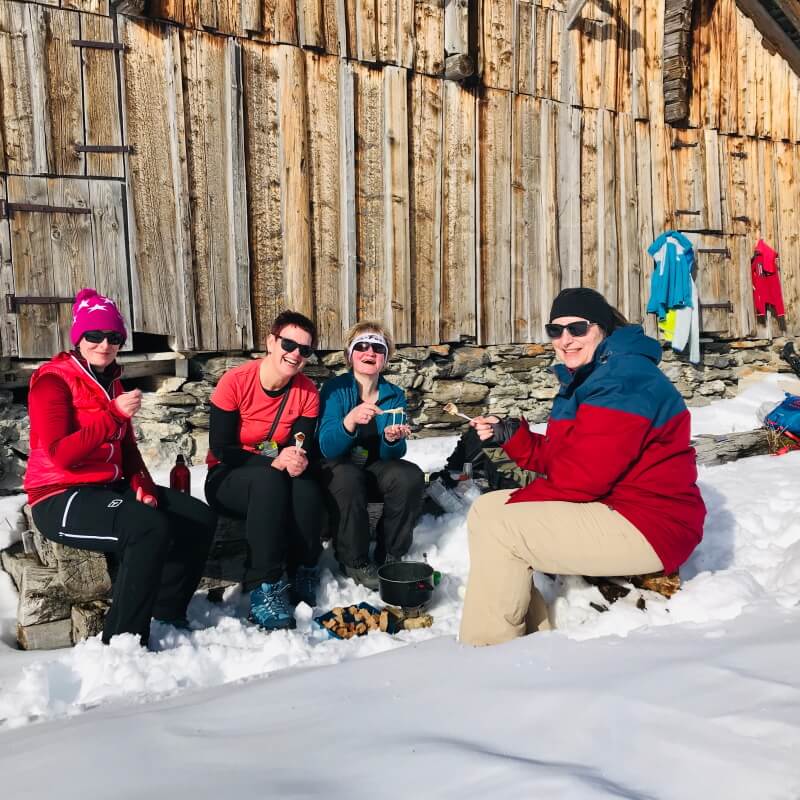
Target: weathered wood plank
{"points": [[607, 245], [426, 132], [746, 46], [8, 322], [457, 28], [157, 182], [47, 636], [262, 145], [87, 619], [108, 243], [311, 24], [373, 275], [525, 62], [568, 171], [396, 197], [62, 66], [644, 217], [590, 172], [42, 598], [210, 87], [429, 31], [366, 30], [37, 325], [89, 6], [494, 218], [638, 60], [459, 224], [71, 246], [497, 38], [347, 193], [101, 111], [279, 21], [335, 23], [788, 247], [630, 271], [729, 67], [330, 296], [23, 103]]}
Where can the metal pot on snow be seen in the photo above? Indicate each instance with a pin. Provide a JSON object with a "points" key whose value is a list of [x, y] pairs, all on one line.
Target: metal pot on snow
{"points": [[406, 584]]}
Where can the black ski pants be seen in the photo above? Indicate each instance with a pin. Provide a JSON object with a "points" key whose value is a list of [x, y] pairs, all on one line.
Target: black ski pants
{"points": [[398, 484], [283, 515], [159, 552]]}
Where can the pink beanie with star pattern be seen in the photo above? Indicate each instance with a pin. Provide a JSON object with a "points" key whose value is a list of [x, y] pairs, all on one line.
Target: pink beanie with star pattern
{"points": [[93, 312]]}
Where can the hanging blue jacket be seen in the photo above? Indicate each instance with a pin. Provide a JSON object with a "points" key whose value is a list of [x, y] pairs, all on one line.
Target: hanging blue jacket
{"points": [[338, 397], [671, 283]]}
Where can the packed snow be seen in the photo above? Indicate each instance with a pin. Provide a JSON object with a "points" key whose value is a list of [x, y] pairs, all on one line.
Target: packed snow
{"points": [[695, 697]]}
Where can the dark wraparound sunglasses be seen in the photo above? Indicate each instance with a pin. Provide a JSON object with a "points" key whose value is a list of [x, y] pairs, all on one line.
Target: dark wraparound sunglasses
{"points": [[95, 337], [576, 329], [290, 345], [376, 348]]}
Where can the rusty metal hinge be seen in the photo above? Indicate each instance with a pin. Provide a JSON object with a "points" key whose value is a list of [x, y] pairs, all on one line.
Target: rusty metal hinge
{"points": [[679, 145], [737, 154], [7, 209], [720, 251], [726, 306], [13, 302], [96, 45], [686, 213], [103, 148], [741, 218]]}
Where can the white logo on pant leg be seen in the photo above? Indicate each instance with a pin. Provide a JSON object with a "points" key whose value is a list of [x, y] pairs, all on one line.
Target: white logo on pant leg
{"points": [[114, 503]]}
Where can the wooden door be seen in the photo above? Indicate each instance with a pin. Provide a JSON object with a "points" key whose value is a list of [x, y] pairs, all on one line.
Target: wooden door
{"points": [[64, 234]]}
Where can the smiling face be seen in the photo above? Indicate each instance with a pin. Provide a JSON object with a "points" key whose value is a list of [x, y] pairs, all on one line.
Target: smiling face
{"points": [[575, 351], [283, 363], [367, 362], [98, 355]]}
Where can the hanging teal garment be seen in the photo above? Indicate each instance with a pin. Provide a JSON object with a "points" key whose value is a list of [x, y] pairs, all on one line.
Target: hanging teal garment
{"points": [[671, 283]]}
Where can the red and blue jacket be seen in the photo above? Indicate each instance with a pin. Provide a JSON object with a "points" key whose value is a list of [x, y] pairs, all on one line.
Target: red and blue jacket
{"points": [[618, 434]]}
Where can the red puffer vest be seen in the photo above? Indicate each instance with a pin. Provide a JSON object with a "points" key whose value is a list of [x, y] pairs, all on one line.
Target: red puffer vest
{"points": [[104, 465]]}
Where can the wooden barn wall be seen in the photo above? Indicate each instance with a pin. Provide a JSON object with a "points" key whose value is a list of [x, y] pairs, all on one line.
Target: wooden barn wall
{"points": [[239, 157]]}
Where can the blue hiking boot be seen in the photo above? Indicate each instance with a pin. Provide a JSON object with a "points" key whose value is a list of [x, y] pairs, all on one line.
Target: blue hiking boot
{"points": [[270, 608], [304, 585]]}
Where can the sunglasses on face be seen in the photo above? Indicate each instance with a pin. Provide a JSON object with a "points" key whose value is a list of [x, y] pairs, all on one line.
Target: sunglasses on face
{"points": [[575, 329], [290, 345], [95, 337], [376, 348]]}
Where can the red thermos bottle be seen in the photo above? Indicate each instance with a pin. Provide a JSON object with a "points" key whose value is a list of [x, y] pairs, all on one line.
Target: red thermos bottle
{"points": [[179, 476]]}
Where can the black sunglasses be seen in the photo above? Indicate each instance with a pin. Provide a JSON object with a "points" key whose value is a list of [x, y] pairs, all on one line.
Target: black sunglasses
{"points": [[376, 348], [576, 329], [95, 337], [290, 345]]}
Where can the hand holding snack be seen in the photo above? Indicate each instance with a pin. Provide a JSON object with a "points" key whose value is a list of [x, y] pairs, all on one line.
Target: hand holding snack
{"points": [[292, 459], [484, 427], [362, 414], [393, 433]]}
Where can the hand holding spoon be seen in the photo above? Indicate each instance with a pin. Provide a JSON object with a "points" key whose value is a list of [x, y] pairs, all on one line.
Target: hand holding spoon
{"points": [[452, 408]]}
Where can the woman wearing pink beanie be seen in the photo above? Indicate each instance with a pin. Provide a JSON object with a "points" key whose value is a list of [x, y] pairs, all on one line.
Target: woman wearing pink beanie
{"points": [[88, 486]]}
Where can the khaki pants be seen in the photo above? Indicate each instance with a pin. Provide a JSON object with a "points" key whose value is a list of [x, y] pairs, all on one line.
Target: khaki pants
{"points": [[507, 542]]}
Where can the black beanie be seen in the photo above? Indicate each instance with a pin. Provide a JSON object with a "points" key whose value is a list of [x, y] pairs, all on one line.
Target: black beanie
{"points": [[586, 303]]}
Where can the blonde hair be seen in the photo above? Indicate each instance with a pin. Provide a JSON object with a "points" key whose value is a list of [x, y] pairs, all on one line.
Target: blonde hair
{"points": [[368, 326]]}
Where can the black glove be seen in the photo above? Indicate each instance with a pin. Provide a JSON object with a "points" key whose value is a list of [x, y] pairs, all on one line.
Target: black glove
{"points": [[502, 431]]}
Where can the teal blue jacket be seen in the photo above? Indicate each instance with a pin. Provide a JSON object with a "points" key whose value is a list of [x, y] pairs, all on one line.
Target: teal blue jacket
{"points": [[338, 397]]}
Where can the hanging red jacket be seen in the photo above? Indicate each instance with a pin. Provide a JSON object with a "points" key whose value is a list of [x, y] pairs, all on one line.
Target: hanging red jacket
{"points": [[766, 280]]}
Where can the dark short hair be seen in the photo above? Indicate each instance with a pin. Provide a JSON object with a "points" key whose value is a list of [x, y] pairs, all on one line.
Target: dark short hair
{"points": [[286, 318]]}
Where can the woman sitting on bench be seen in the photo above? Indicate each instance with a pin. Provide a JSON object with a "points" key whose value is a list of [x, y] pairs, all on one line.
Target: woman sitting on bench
{"points": [[89, 488], [263, 417], [616, 492], [362, 438]]}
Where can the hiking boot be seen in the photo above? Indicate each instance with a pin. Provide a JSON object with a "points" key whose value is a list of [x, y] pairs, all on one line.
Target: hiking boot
{"points": [[304, 585], [270, 608], [364, 574]]}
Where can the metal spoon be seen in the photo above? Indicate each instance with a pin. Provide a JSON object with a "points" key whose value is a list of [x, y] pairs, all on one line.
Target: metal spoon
{"points": [[452, 408]]}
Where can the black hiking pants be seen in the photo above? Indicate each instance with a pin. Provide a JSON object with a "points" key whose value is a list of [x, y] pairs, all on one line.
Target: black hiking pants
{"points": [[159, 552], [398, 484], [283, 515]]}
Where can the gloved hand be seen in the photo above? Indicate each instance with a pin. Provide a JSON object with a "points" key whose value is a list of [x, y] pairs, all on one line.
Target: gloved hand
{"points": [[493, 431]]}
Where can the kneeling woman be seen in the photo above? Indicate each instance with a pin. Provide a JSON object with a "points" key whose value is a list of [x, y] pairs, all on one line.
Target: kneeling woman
{"points": [[263, 416], [89, 488], [362, 437], [616, 492]]}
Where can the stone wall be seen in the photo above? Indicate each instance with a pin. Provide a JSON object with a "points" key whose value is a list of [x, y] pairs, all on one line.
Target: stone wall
{"points": [[505, 380]]}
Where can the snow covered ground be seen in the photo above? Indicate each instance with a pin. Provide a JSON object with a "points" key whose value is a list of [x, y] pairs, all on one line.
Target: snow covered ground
{"points": [[698, 697]]}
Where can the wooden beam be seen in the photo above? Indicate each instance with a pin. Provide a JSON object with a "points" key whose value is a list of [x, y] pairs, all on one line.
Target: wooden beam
{"points": [[677, 55]]}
